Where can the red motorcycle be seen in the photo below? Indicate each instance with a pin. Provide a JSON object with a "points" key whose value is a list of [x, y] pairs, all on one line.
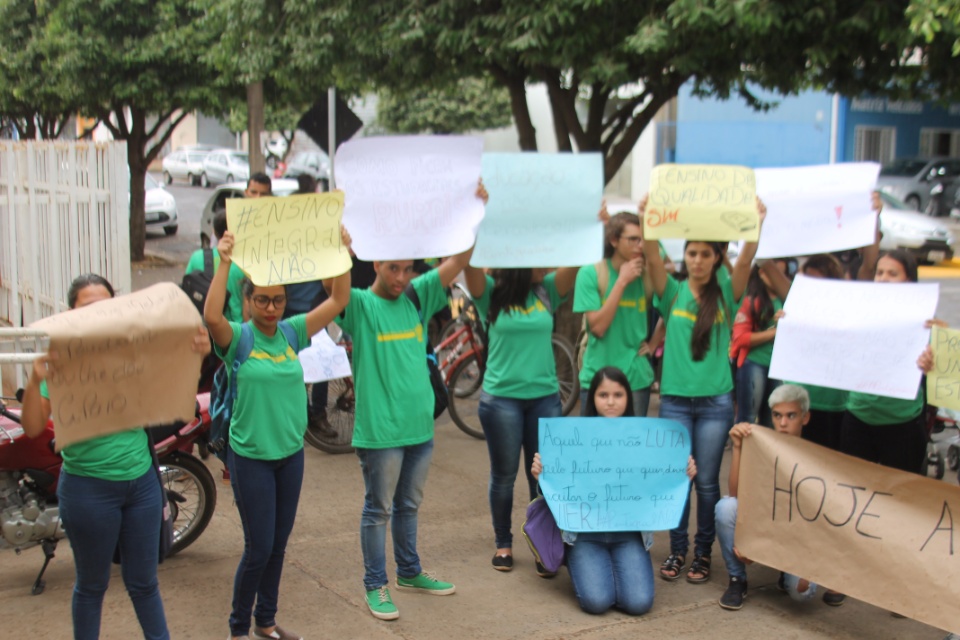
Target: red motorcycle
{"points": [[30, 470]]}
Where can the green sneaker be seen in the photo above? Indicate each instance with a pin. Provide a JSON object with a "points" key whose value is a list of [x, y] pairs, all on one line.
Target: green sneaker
{"points": [[425, 583], [380, 604]]}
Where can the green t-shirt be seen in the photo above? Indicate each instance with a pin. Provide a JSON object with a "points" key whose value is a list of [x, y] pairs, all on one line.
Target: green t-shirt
{"points": [[270, 410], [681, 375], [620, 343], [520, 362], [118, 456], [881, 410], [394, 395], [825, 398], [763, 353], [234, 310]]}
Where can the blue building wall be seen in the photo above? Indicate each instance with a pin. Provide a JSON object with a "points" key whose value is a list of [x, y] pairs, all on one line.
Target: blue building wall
{"points": [[796, 132], [908, 116]]}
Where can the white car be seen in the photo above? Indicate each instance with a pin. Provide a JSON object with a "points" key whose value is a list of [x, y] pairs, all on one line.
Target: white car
{"points": [[184, 165], [218, 202], [225, 165], [161, 207], [927, 239]]}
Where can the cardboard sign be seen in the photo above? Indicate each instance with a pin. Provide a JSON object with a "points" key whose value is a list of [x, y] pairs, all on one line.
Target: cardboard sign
{"points": [[817, 209], [614, 474], [858, 336], [943, 383], [880, 535], [123, 363], [411, 196], [702, 202], [290, 239], [542, 211]]}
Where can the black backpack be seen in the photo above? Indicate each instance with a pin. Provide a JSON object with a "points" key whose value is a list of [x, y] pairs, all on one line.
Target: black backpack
{"points": [[440, 399], [197, 283]]}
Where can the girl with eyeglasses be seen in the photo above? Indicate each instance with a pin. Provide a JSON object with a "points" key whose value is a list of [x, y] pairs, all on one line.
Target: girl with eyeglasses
{"points": [[265, 454]]}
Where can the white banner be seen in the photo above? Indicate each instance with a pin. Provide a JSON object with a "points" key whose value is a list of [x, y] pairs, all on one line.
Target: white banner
{"points": [[410, 196], [858, 336], [816, 209]]}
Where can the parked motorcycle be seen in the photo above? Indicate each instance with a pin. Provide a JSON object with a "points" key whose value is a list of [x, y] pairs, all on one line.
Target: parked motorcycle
{"points": [[30, 471]]}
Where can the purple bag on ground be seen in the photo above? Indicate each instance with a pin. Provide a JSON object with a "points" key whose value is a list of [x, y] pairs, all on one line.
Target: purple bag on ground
{"points": [[543, 535]]}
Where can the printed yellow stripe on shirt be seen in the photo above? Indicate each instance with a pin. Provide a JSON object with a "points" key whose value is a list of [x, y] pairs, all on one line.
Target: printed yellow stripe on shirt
{"points": [[416, 333], [640, 305], [262, 355], [693, 317]]}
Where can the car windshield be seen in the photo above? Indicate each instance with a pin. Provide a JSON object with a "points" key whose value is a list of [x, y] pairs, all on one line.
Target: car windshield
{"points": [[196, 157], [904, 167], [891, 202], [150, 183], [239, 158]]}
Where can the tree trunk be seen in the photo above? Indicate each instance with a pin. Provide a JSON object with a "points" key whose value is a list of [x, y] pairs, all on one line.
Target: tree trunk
{"points": [[138, 199], [527, 133], [255, 123]]}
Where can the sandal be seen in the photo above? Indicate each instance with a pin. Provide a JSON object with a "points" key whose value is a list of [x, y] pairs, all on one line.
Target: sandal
{"points": [[701, 566], [674, 565]]}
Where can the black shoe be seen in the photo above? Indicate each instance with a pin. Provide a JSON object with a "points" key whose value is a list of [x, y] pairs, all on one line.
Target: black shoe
{"points": [[543, 573], [833, 598], [782, 582], [736, 591], [502, 563]]}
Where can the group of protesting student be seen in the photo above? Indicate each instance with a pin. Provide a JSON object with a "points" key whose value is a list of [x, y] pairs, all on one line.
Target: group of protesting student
{"points": [[704, 309]]}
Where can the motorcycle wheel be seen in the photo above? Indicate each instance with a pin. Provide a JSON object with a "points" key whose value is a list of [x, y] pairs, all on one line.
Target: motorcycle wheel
{"points": [[192, 494]]}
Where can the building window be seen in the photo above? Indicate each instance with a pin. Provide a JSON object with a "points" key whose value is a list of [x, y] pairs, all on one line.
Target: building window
{"points": [[940, 142], [876, 144]]}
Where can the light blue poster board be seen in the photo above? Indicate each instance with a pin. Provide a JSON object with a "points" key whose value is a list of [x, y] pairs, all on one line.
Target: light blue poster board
{"points": [[614, 474], [542, 210]]}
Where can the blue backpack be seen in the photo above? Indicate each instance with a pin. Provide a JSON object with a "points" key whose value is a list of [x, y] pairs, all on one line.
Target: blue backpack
{"points": [[224, 390]]}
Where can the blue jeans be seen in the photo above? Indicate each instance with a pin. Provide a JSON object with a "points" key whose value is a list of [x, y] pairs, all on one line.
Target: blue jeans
{"points": [[708, 420], [393, 482], [641, 402], [267, 493], [753, 392], [726, 525], [611, 570], [99, 515], [510, 424]]}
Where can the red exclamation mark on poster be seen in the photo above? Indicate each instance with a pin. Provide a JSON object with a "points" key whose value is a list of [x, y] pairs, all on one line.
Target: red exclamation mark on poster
{"points": [[839, 211]]}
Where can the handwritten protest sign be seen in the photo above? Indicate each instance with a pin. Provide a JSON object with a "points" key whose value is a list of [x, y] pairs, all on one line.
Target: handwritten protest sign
{"points": [[542, 211], [878, 534], [858, 336], [614, 474], [324, 359], [123, 363], [290, 239], [702, 202], [817, 209], [411, 196], [943, 383]]}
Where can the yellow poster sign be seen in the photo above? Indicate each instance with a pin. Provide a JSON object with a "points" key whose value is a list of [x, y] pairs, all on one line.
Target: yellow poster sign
{"points": [[702, 202], [290, 239], [943, 383]]}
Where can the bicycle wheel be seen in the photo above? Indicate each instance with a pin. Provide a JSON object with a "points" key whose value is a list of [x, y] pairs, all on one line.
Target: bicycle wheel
{"points": [[581, 348], [332, 431], [567, 372], [464, 392]]}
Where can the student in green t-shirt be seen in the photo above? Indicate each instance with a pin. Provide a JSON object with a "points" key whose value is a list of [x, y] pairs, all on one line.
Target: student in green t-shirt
{"points": [[265, 454], [616, 319], [695, 389], [108, 496], [234, 310], [754, 330]]}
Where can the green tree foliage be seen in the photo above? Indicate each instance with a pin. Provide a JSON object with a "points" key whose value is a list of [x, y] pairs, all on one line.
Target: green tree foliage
{"points": [[936, 20], [610, 65], [468, 105]]}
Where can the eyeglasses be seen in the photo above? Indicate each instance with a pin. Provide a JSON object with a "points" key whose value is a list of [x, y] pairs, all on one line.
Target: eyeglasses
{"points": [[262, 302], [632, 239]]}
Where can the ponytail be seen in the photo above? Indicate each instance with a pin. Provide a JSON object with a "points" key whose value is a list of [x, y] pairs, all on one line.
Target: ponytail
{"points": [[710, 298]]}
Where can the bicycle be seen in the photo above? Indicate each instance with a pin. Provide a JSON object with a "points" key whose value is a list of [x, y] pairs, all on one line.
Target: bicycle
{"points": [[330, 429]]}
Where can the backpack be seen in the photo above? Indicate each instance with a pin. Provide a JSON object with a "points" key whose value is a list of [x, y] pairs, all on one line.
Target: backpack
{"points": [[224, 390], [196, 284], [603, 280], [440, 399]]}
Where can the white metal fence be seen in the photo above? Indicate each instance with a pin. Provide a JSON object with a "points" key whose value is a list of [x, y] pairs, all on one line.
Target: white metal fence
{"points": [[64, 211]]}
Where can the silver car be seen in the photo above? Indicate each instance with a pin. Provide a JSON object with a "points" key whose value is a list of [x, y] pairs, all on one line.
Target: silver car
{"points": [[225, 165], [161, 207], [911, 179], [927, 239], [184, 165], [218, 202]]}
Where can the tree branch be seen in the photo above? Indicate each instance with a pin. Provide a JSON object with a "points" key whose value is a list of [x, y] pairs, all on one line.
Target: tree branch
{"points": [[563, 101], [154, 151], [160, 120], [598, 104]]}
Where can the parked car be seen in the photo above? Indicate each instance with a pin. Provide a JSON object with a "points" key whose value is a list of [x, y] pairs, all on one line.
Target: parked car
{"points": [[224, 165], [927, 239], [184, 165], [161, 207], [911, 179], [218, 203], [312, 163]]}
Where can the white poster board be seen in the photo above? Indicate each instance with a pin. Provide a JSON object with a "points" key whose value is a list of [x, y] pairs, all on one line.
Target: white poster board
{"points": [[817, 209], [858, 336], [410, 197], [324, 359]]}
